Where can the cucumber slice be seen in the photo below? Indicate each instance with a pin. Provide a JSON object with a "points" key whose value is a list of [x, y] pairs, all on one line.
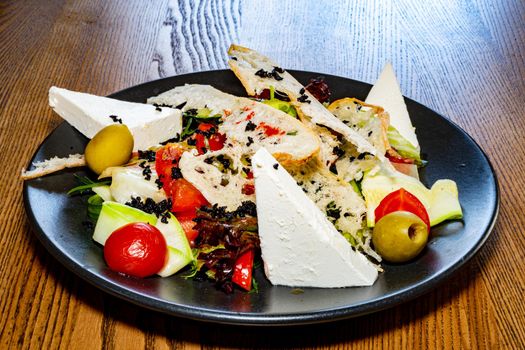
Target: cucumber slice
{"points": [[114, 215], [179, 250], [175, 262], [441, 200]]}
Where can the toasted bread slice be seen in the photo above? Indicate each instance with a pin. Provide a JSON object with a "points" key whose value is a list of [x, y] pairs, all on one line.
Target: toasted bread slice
{"points": [[368, 120], [53, 165], [257, 72], [220, 176], [249, 123]]}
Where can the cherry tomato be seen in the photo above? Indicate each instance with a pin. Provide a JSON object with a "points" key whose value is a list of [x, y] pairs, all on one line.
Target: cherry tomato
{"points": [[184, 196], [402, 200], [242, 273], [187, 223], [136, 249]]}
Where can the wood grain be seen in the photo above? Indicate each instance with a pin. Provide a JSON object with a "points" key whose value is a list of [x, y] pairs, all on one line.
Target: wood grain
{"points": [[464, 59]]}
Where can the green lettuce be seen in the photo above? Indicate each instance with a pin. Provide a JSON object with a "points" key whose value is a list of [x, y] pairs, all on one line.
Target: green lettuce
{"points": [[403, 146]]}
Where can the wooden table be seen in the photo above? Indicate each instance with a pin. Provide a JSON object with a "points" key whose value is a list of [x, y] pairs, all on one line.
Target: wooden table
{"points": [[462, 59]]}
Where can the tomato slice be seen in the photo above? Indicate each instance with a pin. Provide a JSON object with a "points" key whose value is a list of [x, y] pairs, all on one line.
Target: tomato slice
{"points": [[187, 223], [200, 143], [166, 158], [184, 196], [402, 200], [242, 273], [136, 249]]}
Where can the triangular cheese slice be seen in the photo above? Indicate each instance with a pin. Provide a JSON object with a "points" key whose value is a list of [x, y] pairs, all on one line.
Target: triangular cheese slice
{"points": [[300, 247], [387, 94], [88, 113]]}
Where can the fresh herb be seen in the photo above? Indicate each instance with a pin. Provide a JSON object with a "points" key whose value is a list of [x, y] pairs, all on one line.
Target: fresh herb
{"points": [[292, 133], [193, 117], [86, 184]]}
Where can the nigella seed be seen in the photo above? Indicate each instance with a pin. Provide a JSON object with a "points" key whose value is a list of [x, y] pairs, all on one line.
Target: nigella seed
{"points": [[176, 173], [250, 126], [116, 119], [276, 166]]}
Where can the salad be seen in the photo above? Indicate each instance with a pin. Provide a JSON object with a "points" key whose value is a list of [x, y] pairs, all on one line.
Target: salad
{"points": [[206, 192]]}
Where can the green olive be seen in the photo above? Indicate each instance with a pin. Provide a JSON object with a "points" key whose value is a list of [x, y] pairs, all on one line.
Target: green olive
{"points": [[111, 146], [399, 236]]}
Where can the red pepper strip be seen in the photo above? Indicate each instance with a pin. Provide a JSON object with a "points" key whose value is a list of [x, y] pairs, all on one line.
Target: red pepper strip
{"points": [[395, 159], [242, 273]]}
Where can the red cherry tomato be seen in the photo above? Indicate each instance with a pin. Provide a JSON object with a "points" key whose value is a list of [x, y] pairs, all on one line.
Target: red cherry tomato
{"points": [[402, 200], [242, 273], [136, 249], [184, 196]]}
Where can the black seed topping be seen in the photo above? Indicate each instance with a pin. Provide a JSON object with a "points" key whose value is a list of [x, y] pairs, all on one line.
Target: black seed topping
{"points": [[147, 155], [304, 99], [276, 166], [160, 209], [250, 126], [181, 106], [173, 139], [250, 141], [333, 169], [146, 172], [159, 183], [176, 173], [115, 119]]}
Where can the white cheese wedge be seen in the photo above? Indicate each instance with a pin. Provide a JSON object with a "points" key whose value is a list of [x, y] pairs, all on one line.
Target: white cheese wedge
{"points": [[300, 247], [90, 113], [387, 94]]}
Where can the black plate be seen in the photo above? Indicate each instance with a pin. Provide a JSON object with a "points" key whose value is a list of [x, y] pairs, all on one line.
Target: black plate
{"points": [[451, 153]]}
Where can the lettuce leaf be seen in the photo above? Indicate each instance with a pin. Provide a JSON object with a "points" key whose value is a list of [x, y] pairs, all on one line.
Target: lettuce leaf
{"points": [[403, 146]]}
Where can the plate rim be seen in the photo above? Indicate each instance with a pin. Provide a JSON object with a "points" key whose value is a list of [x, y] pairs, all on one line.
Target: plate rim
{"points": [[275, 319]]}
